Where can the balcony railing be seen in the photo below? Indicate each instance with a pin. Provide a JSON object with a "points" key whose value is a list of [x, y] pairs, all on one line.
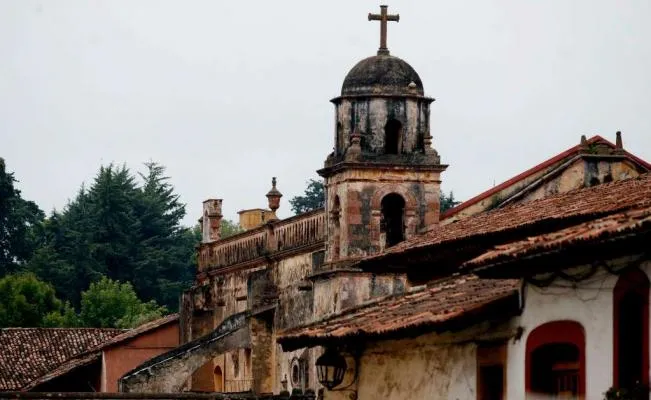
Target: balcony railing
{"points": [[238, 385], [291, 233]]}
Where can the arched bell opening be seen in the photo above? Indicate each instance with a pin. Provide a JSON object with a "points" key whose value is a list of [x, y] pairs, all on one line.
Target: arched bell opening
{"points": [[392, 136], [393, 219]]}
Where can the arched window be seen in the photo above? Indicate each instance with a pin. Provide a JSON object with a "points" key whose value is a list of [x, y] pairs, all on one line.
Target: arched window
{"points": [[393, 225], [392, 136], [631, 330], [555, 360], [219, 379]]}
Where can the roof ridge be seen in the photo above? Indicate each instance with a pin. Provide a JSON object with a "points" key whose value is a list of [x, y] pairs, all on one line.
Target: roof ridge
{"points": [[536, 168]]}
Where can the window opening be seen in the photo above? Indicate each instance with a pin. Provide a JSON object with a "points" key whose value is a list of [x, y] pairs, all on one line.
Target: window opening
{"points": [[393, 210], [392, 136], [219, 379], [491, 359], [555, 361], [631, 330]]}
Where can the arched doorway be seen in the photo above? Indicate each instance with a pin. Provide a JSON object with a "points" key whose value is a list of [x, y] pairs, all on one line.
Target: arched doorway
{"points": [[219, 379], [393, 225], [631, 330], [392, 136], [555, 360]]}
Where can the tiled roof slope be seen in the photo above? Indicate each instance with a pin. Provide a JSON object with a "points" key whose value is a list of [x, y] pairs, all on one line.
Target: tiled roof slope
{"points": [[545, 214], [572, 151], [612, 227], [27, 353], [137, 331], [95, 352], [426, 309]]}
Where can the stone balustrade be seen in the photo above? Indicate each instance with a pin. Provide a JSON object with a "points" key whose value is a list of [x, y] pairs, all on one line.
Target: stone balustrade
{"points": [[272, 238]]}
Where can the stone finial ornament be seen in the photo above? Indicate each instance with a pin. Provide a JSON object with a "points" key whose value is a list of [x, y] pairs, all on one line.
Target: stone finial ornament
{"points": [[273, 196], [354, 151]]}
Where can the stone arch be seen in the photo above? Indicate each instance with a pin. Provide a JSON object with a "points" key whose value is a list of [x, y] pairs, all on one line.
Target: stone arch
{"points": [[411, 203], [410, 216]]}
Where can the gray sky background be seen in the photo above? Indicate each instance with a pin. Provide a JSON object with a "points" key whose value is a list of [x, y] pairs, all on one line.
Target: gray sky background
{"points": [[228, 94]]}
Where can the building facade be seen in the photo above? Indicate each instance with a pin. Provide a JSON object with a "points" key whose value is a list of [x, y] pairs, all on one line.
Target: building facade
{"points": [[267, 302]]}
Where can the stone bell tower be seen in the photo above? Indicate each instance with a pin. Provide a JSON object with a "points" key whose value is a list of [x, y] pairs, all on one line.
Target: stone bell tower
{"points": [[382, 180]]}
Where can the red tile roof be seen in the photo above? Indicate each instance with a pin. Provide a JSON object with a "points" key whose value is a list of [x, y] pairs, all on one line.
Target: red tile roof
{"points": [[540, 167], [95, 352], [28, 353], [428, 309], [538, 216], [612, 227]]}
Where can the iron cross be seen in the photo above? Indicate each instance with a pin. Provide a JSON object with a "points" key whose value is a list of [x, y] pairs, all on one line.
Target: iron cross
{"points": [[383, 17]]}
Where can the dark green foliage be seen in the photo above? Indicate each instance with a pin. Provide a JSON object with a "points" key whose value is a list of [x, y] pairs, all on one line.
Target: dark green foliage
{"points": [[18, 218], [448, 202], [313, 198], [111, 304], [228, 228], [638, 392], [121, 229], [26, 301]]}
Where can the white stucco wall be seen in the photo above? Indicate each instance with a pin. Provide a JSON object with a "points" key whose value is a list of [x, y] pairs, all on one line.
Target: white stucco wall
{"points": [[420, 368], [591, 304]]}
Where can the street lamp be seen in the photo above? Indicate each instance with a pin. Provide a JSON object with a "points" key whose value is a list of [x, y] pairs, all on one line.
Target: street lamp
{"points": [[330, 368]]}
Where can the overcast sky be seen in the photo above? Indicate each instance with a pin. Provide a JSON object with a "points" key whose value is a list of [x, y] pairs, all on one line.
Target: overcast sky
{"points": [[228, 94]]}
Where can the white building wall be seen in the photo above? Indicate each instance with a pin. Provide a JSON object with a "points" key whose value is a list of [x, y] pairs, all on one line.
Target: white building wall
{"points": [[591, 304]]}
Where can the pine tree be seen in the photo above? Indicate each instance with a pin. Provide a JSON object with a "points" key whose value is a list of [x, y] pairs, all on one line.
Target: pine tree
{"points": [[18, 217]]}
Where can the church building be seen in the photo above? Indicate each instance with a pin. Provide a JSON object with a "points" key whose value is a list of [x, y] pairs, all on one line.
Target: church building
{"points": [[537, 287]]}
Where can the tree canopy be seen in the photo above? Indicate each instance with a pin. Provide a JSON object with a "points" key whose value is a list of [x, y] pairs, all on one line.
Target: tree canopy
{"points": [[26, 301], [124, 228], [448, 202], [18, 217], [111, 304], [312, 198]]}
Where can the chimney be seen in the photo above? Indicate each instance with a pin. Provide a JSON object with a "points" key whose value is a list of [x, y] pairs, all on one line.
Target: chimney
{"points": [[619, 144], [211, 221], [273, 197]]}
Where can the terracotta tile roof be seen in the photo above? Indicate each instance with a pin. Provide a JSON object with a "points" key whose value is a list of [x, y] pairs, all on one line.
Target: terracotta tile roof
{"points": [[420, 311], [545, 164], [538, 216], [95, 352], [28, 353], [613, 227]]}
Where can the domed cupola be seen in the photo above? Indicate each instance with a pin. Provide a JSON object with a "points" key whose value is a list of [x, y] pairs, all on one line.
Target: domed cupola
{"points": [[382, 74], [382, 113], [382, 180]]}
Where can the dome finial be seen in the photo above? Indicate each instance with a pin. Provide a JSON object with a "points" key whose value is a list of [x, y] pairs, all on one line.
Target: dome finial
{"points": [[383, 17]]}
